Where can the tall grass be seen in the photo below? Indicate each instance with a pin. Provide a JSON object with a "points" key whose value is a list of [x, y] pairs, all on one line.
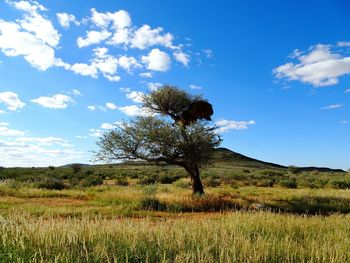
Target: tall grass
{"points": [[234, 237]]}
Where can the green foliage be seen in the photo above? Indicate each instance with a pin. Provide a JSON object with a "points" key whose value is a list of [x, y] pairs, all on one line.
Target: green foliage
{"points": [[121, 181], [289, 183], [91, 180], [341, 183], [76, 168], [52, 184]]}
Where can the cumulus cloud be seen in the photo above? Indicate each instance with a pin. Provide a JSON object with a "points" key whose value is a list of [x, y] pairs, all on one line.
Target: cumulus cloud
{"points": [[58, 101], [332, 107], [11, 100], [32, 37], [92, 37], [157, 60], [111, 106], [319, 67], [145, 37], [227, 125], [65, 19], [182, 57], [154, 85], [134, 110], [107, 126], [118, 20]]}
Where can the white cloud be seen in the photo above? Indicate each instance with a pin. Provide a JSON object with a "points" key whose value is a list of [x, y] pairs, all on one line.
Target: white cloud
{"points": [[121, 36], [47, 141], [58, 101], [320, 67], [134, 110], [192, 86], [93, 37], [95, 133], [32, 37], [157, 60], [135, 96], [92, 107], [154, 85], [107, 126], [332, 106], [81, 137], [15, 42], [343, 44], [76, 92], [145, 37], [111, 106], [65, 20], [182, 57], [347, 91], [38, 151], [128, 63], [11, 100], [344, 122], [226, 125], [119, 19], [5, 131], [146, 75]]}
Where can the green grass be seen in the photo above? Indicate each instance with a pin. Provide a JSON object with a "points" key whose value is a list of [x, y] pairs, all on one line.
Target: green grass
{"points": [[247, 215], [233, 237]]}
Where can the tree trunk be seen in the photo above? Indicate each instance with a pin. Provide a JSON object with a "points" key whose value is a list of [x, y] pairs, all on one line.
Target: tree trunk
{"points": [[197, 187]]}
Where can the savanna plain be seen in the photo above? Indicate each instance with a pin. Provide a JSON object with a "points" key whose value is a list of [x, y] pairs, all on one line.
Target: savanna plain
{"points": [[146, 213]]}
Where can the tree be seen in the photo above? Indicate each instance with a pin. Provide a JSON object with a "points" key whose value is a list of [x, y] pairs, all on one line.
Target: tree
{"points": [[156, 138]]}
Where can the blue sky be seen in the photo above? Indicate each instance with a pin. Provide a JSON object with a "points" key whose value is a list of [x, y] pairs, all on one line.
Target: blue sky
{"points": [[277, 73]]}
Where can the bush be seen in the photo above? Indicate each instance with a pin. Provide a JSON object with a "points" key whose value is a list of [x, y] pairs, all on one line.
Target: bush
{"points": [[167, 179], [265, 183], [121, 181], [181, 184], [52, 184], [294, 170], [91, 181], [288, 183], [340, 184], [151, 203], [146, 180]]}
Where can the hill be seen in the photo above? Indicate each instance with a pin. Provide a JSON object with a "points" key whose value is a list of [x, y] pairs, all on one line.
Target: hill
{"points": [[225, 156]]}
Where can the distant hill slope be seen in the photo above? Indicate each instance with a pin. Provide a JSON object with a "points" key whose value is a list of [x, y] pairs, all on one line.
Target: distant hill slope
{"points": [[228, 157]]}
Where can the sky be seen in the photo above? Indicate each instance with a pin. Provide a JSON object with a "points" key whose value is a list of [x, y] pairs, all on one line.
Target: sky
{"points": [[276, 72]]}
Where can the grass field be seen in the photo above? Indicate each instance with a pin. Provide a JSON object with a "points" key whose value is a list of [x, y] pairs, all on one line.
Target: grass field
{"points": [[147, 214]]}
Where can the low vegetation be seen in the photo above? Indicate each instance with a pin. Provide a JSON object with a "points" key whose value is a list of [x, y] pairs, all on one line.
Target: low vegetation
{"points": [[146, 213]]}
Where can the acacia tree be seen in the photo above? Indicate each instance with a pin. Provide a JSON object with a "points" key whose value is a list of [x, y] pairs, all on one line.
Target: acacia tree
{"points": [[158, 138]]}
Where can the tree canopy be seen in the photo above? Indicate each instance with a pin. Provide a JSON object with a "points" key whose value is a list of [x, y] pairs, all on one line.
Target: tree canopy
{"points": [[158, 138]]}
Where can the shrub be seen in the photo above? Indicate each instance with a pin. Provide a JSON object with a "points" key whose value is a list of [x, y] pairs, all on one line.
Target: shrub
{"points": [[182, 184], [167, 179], [151, 203], [76, 168], [340, 184], [273, 173], [289, 183], [91, 181], [121, 181], [265, 183], [146, 180], [294, 170], [52, 184]]}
